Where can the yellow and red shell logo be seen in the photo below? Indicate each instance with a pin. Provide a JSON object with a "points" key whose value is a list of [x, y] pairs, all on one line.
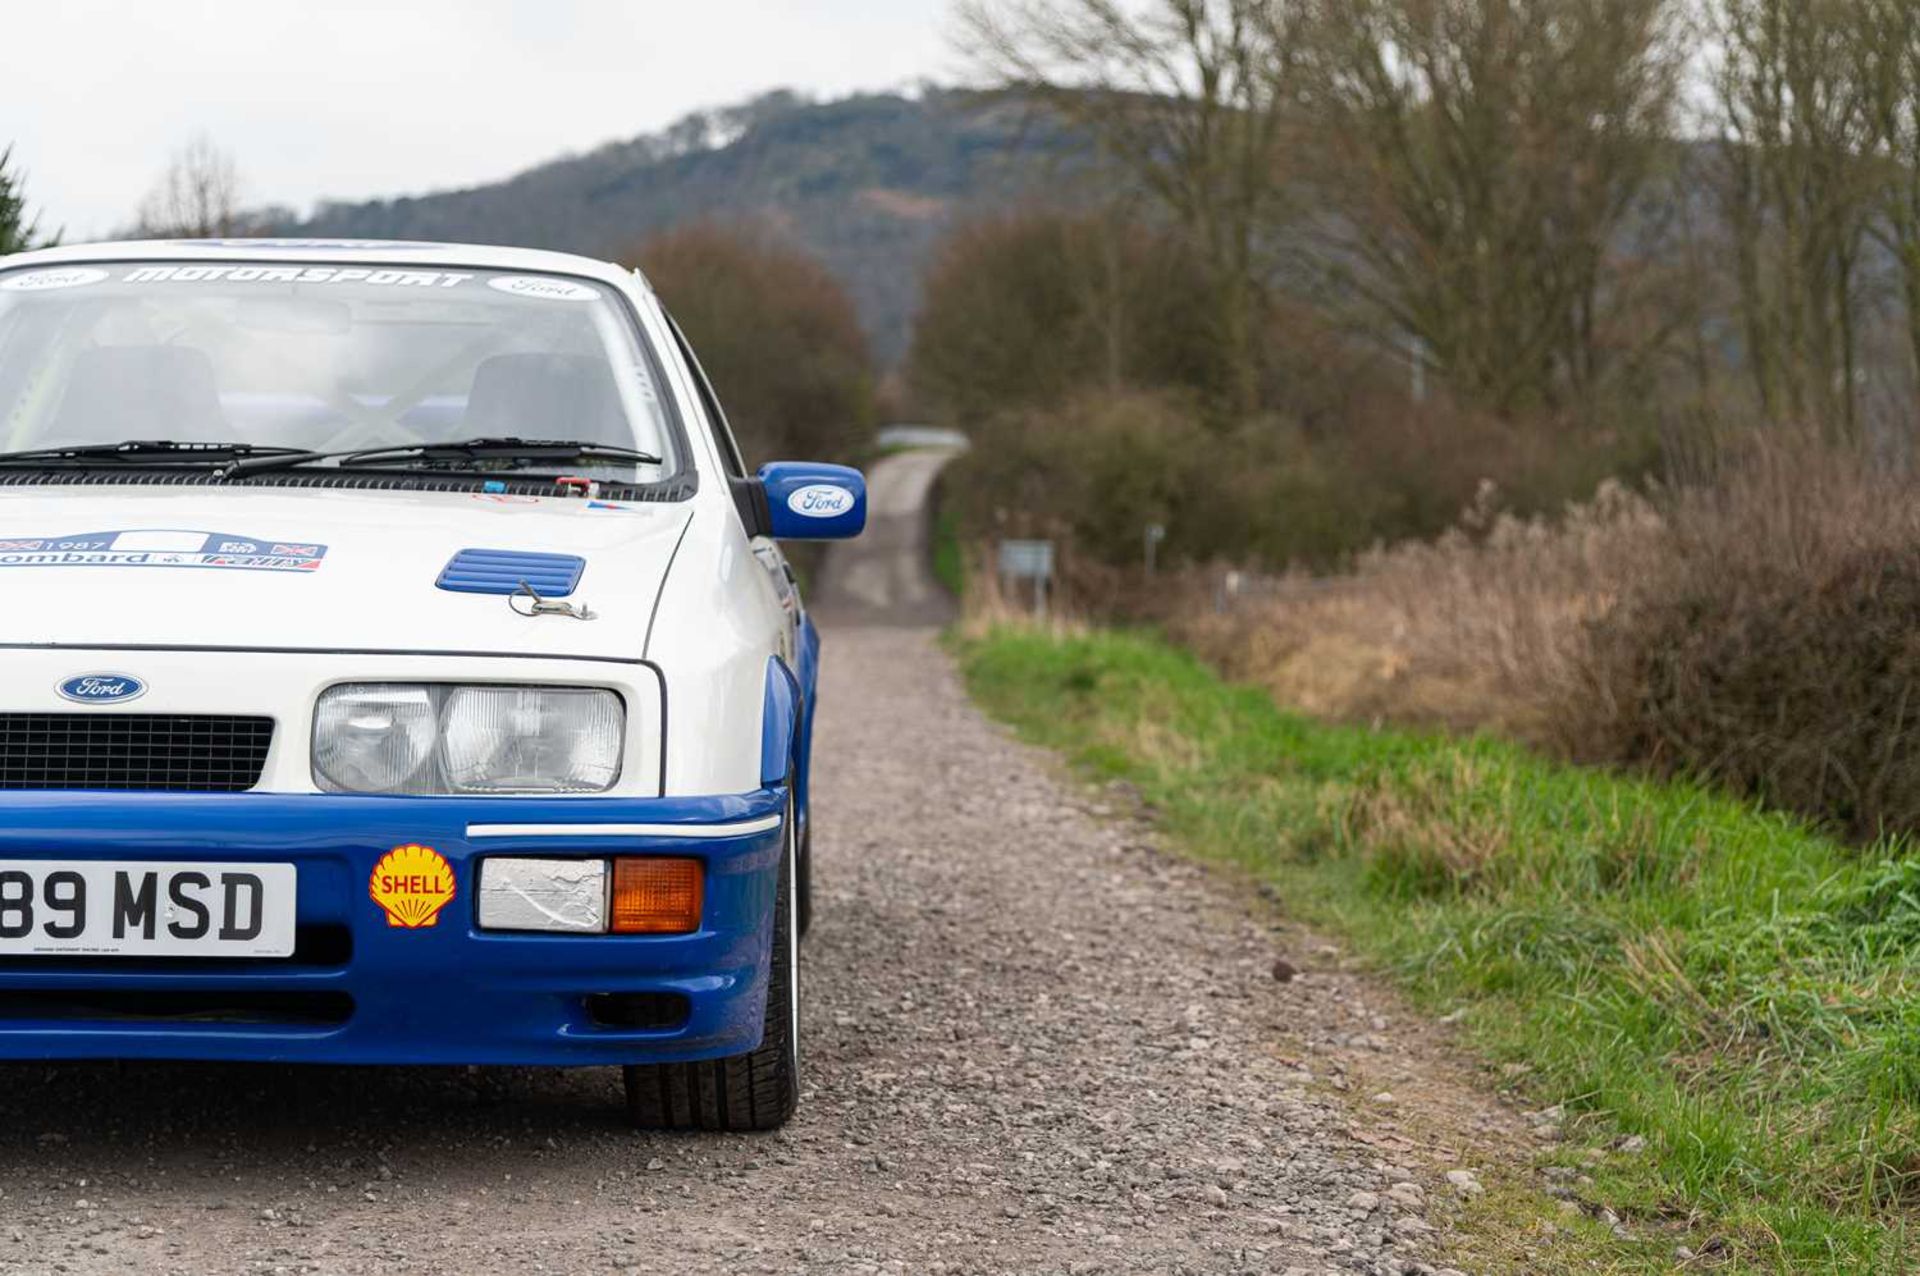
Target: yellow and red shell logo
{"points": [[413, 883]]}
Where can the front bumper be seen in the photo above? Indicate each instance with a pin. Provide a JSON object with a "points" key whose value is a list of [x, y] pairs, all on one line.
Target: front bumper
{"points": [[358, 990]]}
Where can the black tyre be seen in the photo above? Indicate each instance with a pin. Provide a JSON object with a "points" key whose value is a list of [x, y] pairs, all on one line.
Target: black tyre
{"points": [[804, 908], [754, 1091]]}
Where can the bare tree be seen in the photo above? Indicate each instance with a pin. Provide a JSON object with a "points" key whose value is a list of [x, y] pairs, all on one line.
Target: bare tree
{"points": [[1483, 158], [1886, 60], [1798, 197], [1186, 97], [198, 197]]}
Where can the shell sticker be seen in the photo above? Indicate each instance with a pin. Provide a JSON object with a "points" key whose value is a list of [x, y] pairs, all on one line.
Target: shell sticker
{"points": [[412, 883]]}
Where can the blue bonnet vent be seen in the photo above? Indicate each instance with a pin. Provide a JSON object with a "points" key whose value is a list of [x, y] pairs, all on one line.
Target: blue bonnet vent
{"points": [[501, 571]]}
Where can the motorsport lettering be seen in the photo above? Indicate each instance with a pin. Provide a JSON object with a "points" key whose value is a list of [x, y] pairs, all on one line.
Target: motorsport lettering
{"points": [[296, 275]]}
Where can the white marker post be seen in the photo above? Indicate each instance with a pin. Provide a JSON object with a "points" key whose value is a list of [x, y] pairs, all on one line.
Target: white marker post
{"points": [[1156, 532]]}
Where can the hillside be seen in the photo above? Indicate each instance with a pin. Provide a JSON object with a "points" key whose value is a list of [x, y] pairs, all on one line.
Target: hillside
{"points": [[867, 183]]}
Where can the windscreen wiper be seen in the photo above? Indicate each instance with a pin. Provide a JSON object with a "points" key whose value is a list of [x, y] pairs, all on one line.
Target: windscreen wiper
{"points": [[483, 453], [147, 452]]}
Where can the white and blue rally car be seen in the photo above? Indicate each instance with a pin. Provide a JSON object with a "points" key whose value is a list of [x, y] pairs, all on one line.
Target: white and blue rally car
{"points": [[399, 667]]}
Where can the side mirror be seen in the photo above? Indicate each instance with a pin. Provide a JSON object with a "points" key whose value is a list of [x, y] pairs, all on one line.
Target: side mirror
{"points": [[803, 501]]}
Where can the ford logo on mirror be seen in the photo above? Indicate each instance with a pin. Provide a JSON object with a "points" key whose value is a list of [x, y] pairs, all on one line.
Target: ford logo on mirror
{"points": [[810, 501], [103, 688], [820, 500]]}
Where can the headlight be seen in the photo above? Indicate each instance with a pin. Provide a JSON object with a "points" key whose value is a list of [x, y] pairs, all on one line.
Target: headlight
{"points": [[531, 740], [372, 739], [387, 738]]}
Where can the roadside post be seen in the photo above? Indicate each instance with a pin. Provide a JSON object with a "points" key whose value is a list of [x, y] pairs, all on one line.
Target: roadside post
{"points": [[1028, 560], [1228, 594], [1156, 532]]}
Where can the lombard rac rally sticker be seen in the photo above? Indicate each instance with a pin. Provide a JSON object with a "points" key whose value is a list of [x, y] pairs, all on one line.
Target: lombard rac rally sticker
{"points": [[49, 280], [820, 500], [412, 883], [153, 547], [543, 289]]}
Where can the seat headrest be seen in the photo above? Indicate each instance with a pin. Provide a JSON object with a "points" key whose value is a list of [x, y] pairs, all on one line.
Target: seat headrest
{"points": [[546, 396], [138, 392]]}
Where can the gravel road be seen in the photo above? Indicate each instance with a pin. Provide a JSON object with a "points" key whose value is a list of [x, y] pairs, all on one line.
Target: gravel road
{"points": [[1033, 1043]]}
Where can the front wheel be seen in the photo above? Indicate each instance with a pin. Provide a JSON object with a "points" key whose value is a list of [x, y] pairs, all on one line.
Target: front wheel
{"points": [[757, 1090]]}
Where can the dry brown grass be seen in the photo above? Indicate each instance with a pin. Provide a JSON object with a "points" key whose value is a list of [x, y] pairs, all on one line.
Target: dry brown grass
{"points": [[990, 603], [1462, 632]]}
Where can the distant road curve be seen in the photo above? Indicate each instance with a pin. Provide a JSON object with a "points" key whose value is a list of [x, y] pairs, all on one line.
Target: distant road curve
{"points": [[929, 436]]}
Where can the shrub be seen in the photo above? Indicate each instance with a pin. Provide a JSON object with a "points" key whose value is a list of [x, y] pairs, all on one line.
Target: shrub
{"points": [[1097, 467], [1774, 646]]}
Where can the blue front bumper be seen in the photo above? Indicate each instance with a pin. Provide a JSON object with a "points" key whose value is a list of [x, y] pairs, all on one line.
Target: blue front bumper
{"points": [[358, 990]]}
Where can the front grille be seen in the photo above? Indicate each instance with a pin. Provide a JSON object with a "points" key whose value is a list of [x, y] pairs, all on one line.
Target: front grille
{"points": [[272, 1006], [151, 752]]}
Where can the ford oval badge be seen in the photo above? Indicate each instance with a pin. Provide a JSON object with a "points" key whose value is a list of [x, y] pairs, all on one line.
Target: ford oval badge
{"points": [[103, 688], [821, 500]]}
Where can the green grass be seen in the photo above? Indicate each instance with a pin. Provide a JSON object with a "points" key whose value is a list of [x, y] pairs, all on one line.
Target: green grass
{"points": [[1727, 983], [949, 564]]}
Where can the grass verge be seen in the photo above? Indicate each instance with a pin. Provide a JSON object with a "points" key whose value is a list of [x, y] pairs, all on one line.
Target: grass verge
{"points": [[949, 561], [1724, 983]]}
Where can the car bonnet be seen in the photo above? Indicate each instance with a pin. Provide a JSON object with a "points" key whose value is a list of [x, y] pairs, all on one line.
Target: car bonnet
{"points": [[331, 570]]}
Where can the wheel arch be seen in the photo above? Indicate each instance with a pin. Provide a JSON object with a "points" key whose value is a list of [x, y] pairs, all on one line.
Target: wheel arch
{"points": [[780, 726]]}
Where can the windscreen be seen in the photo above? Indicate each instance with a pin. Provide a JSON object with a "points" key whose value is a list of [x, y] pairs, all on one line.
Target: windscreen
{"points": [[321, 357]]}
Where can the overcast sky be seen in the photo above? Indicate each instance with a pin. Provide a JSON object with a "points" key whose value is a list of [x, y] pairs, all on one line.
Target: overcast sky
{"points": [[347, 98]]}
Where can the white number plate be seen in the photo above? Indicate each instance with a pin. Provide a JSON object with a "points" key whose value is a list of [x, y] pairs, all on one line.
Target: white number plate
{"points": [[146, 909]]}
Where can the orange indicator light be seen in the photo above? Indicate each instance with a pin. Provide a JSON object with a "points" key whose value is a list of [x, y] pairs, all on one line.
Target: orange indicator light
{"points": [[656, 896]]}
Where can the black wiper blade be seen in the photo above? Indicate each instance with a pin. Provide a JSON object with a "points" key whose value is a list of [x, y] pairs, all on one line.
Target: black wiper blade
{"points": [[507, 451], [146, 451]]}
